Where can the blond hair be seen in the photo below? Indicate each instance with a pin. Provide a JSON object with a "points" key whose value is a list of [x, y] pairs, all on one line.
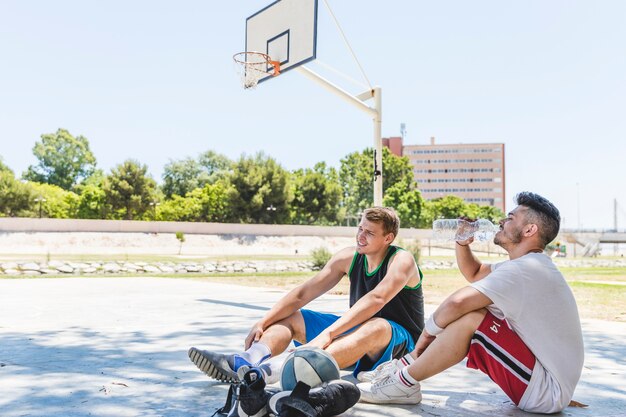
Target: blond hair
{"points": [[385, 216]]}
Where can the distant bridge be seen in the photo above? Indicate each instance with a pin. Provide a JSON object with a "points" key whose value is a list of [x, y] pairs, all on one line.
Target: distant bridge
{"points": [[590, 240]]}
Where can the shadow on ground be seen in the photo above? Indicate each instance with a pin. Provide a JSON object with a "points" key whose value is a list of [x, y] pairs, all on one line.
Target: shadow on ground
{"points": [[118, 347]]}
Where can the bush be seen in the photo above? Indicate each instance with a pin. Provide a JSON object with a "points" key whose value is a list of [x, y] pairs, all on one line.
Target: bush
{"points": [[413, 247], [320, 257], [181, 238]]}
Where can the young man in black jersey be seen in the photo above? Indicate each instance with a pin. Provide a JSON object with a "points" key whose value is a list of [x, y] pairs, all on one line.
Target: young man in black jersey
{"points": [[385, 318]]}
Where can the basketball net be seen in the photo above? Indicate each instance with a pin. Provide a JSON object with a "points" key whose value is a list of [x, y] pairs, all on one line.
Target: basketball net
{"points": [[252, 66]]}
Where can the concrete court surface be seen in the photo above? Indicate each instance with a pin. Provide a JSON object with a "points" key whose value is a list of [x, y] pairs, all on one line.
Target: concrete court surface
{"points": [[118, 347]]}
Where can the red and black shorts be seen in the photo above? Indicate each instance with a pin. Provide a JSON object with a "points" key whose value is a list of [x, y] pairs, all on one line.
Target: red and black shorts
{"points": [[500, 353]]}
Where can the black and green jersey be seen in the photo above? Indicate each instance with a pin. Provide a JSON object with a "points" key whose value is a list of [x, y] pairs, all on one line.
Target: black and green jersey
{"points": [[406, 308]]}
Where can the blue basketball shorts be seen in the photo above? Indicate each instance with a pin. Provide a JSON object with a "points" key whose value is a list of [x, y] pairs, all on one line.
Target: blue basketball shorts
{"points": [[400, 344]]}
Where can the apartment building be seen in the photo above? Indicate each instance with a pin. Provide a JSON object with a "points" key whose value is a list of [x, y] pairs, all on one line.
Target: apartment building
{"points": [[472, 171]]}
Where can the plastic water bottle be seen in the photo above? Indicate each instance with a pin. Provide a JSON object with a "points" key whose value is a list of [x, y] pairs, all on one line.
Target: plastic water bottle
{"points": [[459, 230]]}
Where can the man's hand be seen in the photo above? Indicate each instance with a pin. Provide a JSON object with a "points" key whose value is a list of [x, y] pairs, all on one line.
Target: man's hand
{"points": [[423, 342], [465, 242], [254, 336], [321, 341], [466, 227]]}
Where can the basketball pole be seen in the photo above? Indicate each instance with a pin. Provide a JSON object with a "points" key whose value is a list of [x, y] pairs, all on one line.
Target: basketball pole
{"points": [[375, 113], [378, 147]]}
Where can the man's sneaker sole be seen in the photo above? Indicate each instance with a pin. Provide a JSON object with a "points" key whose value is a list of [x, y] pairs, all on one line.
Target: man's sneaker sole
{"points": [[209, 368], [415, 399], [368, 397]]}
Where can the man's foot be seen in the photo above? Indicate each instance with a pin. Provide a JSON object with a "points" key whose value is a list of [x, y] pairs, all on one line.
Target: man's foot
{"points": [[215, 365], [331, 399], [269, 376], [384, 368], [390, 389]]}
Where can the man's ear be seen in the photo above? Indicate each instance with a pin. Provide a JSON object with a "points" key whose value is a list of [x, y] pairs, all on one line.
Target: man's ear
{"points": [[389, 238], [530, 229]]}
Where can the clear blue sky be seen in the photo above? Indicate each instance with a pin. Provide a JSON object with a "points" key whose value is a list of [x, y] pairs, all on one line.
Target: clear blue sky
{"points": [[154, 81]]}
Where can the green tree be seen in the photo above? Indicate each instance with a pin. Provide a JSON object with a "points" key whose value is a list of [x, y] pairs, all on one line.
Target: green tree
{"points": [[4, 167], [356, 177], [92, 198], [129, 191], [317, 195], [452, 207], [15, 196], [180, 209], [475, 211], [214, 201], [55, 202], [261, 191], [448, 207], [215, 165], [183, 176], [63, 160], [407, 200], [208, 204]]}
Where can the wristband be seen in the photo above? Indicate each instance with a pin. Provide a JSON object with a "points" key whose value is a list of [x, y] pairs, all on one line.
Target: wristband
{"points": [[431, 327]]}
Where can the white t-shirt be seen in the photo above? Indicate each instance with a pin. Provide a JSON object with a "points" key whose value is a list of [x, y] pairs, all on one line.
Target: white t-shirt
{"points": [[532, 295]]}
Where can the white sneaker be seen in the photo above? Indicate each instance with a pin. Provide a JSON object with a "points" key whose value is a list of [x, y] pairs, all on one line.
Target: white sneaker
{"points": [[380, 371], [389, 389]]}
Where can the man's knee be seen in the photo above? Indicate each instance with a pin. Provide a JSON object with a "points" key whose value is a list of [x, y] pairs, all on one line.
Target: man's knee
{"points": [[470, 321], [376, 326], [295, 324], [370, 338], [298, 327], [374, 333]]}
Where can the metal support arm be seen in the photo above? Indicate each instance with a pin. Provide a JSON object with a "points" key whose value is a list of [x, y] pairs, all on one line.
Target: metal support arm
{"points": [[375, 113]]}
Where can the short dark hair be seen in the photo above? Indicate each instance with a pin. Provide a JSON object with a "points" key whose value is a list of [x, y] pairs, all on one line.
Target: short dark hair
{"points": [[386, 216], [541, 212]]}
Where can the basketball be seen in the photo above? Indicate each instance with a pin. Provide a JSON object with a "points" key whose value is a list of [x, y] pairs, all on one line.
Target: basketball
{"points": [[309, 365]]}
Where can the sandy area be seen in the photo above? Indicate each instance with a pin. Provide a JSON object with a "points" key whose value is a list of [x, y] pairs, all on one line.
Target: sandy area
{"points": [[163, 244]]}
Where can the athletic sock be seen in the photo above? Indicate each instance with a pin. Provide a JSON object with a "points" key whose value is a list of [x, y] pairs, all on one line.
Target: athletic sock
{"points": [[405, 377], [236, 361], [271, 370], [407, 359], [255, 354], [269, 375]]}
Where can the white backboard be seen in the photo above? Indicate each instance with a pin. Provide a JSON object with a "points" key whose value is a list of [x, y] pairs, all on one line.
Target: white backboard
{"points": [[286, 30]]}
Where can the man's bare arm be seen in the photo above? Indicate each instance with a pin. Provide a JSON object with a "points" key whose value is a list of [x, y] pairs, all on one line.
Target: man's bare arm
{"points": [[458, 304], [303, 294], [400, 270], [469, 265]]}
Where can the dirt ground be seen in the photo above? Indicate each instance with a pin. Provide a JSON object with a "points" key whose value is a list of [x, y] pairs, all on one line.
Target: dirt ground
{"points": [[163, 244]]}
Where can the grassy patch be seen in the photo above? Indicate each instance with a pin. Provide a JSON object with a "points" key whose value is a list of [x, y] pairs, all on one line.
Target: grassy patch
{"points": [[594, 273], [600, 300], [595, 300], [599, 291]]}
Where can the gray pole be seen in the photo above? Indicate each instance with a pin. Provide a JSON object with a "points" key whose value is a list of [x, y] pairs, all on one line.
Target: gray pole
{"points": [[616, 245], [378, 147], [615, 214]]}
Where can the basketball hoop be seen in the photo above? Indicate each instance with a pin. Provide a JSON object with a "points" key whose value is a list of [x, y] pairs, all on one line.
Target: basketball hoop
{"points": [[252, 66]]}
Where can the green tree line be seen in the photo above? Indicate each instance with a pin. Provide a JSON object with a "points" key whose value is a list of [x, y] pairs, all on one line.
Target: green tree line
{"points": [[66, 183]]}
